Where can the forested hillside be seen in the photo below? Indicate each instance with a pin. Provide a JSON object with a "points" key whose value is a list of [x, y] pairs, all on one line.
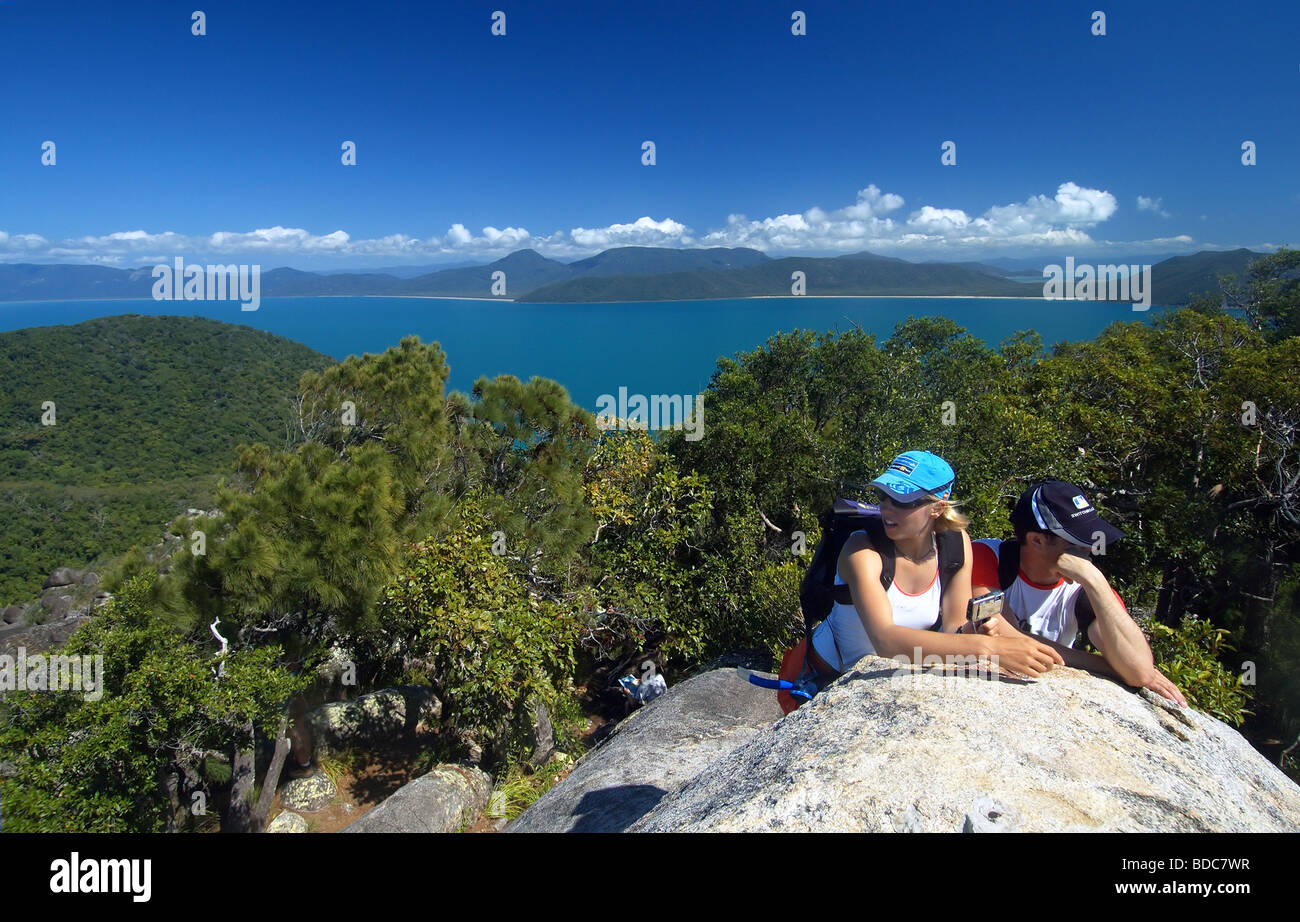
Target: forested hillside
{"points": [[146, 414]]}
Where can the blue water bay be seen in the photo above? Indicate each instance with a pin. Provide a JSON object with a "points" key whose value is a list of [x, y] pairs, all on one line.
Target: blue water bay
{"points": [[649, 347]]}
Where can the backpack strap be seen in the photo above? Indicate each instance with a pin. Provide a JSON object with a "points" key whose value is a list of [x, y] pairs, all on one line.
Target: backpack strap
{"points": [[884, 546], [1008, 563], [952, 557]]}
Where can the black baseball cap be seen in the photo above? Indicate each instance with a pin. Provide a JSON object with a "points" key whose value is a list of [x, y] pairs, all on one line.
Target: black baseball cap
{"points": [[1061, 508]]}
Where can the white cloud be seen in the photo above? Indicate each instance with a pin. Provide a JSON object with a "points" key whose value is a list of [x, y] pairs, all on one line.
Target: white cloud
{"points": [[871, 203], [644, 231], [1038, 222], [1152, 204], [1067, 218], [938, 219]]}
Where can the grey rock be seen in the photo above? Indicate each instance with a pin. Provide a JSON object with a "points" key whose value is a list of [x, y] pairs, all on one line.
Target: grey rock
{"points": [[447, 799], [90, 579], [335, 666], [56, 604], [158, 554], [385, 717], [67, 601], [653, 753], [888, 747], [13, 614], [310, 793], [63, 576], [287, 821], [987, 815], [38, 638]]}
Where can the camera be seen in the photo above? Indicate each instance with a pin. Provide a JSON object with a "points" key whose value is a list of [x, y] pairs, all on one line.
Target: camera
{"points": [[981, 609]]}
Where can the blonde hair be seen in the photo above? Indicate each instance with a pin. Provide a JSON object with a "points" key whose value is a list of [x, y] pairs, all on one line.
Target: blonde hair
{"points": [[950, 519]]}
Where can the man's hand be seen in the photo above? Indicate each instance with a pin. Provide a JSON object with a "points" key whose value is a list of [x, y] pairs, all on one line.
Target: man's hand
{"points": [[1075, 569], [1161, 685]]}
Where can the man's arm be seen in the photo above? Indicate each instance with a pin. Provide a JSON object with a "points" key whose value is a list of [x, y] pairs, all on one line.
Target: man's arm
{"points": [[1158, 683], [1114, 632]]}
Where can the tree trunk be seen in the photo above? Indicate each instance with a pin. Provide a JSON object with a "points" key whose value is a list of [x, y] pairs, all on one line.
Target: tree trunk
{"points": [[243, 772], [169, 781], [300, 737], [272, 779], [1165, 597], [1261, 604]]}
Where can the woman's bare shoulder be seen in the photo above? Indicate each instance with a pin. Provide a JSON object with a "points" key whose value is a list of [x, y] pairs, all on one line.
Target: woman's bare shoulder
{"points": [[858, 547]]}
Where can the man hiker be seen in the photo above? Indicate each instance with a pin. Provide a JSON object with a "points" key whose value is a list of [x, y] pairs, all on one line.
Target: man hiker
{"points": [[1054, 591]]}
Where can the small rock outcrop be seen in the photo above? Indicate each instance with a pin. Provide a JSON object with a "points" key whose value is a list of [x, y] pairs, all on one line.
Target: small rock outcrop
{"points": [[926, 750], [310, 793], [38, 638], [60, 603], [382, 718], [653, 753], [63, 576], [447, 799], [287, 821]]}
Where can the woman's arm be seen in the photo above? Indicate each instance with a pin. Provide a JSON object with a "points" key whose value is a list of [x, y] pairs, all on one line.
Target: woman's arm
{"points": [[860, 568]]}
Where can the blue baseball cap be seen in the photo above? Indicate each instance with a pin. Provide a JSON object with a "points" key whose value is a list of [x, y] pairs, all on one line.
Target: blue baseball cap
{"points": [[914, 474]]}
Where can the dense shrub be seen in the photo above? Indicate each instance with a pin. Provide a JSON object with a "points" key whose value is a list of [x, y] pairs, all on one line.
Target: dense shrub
{"points": [[1191, 657], [464, 622]]}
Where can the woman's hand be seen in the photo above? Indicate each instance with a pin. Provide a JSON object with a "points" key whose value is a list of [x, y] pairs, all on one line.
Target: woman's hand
{"points": [[997, 627], [1020, 654]]}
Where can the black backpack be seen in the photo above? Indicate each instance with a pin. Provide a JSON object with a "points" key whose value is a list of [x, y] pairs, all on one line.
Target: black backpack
{"points": [[818, 592]]}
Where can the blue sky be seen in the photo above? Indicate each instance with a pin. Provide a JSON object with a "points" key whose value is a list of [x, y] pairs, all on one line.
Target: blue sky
{"points": [[471, 146]]}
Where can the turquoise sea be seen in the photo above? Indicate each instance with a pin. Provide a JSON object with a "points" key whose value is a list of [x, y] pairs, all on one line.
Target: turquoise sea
{"points": [[649, 347]]}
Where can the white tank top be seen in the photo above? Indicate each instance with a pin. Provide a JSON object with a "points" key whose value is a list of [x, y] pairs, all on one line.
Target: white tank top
{"points": [[843, 631]]}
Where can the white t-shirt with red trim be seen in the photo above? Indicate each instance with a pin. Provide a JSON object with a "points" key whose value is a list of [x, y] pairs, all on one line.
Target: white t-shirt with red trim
{"points": [[1059, 612]]}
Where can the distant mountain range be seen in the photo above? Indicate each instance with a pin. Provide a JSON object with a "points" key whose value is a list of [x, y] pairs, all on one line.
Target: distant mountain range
{"points": [[635, 274]]}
